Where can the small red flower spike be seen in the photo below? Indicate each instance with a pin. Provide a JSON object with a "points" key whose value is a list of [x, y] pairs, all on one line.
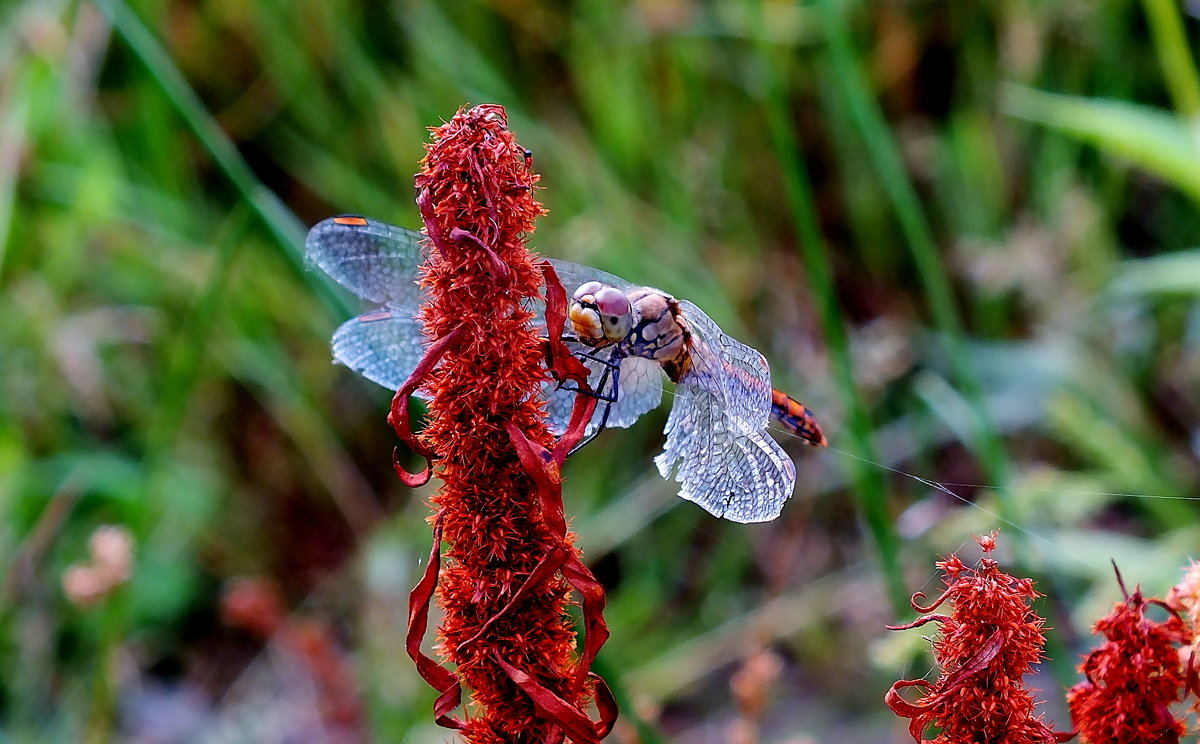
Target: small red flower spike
{"points": [[985, 647], [1184, 598], [505, 580], [1133, 677]]}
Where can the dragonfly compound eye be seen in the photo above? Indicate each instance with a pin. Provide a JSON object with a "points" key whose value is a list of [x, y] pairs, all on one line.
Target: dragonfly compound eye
{"points": [[612, 301], [615, 313], [584, 290]]}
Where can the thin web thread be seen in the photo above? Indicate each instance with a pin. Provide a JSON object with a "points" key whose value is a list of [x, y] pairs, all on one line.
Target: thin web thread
{"points": [[946, 488], [945, 485]]}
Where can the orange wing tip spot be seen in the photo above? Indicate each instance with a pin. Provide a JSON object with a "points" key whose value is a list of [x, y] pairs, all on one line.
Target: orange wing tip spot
{"points": [[350, 219]]}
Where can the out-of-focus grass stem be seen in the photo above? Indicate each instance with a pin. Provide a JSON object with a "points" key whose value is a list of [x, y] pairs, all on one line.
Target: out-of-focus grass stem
{"points": [[181, 367], [288, 232], [868, 485], [113, 618], [14, 113], [1179, 69], [884, 155]]}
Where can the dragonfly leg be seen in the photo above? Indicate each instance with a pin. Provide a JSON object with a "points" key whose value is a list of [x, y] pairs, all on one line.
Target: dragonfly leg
{"points": [[611, 363], [615, 369]]}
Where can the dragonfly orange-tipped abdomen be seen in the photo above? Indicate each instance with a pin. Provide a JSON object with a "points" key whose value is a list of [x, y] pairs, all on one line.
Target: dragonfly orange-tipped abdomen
{"points": [[797, 418]]}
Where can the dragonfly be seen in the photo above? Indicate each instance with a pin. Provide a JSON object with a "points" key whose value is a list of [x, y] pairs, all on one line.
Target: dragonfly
{"points": [[631, 338]]}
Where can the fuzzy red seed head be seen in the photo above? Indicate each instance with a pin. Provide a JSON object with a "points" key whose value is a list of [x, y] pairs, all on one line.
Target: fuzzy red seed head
{"points": [[1133, 678], [986, 646], [505, 627]]}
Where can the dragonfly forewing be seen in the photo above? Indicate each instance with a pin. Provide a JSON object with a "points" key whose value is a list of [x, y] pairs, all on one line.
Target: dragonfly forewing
{"points": [[374, 260]]}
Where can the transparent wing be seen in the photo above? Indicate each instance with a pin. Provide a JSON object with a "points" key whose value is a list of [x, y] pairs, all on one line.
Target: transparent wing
{"points": [[380, 263], [639, 391], [383, 346], [717, 447], [372, 259], [572, 275]]}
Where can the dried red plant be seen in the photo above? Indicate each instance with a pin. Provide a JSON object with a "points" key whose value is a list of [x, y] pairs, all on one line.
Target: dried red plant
{"points": [[505, 579], [1133, 677], [985, 648], [751, 687]]}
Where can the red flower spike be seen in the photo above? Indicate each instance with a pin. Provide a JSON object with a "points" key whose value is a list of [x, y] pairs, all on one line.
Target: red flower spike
{"points": [[545, 467], [985, 647], [1133, 678], [505, 579]]}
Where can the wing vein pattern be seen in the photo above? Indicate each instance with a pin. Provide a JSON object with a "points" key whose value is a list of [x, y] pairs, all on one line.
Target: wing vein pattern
{"points": [[381, 263], [717, 446]]}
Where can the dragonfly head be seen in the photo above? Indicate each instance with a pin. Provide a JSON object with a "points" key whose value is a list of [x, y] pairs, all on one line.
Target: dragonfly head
{"points": [[600, 314]]}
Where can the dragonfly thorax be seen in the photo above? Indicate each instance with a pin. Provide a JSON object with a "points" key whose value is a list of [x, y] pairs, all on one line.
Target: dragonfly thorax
{"points": [[658, 332], [642, 322]]}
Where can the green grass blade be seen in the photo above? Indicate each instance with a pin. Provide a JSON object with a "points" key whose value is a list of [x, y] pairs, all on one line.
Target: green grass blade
{"points": [[283, 225], [1170, 42], [1173, 274], [885, 156], [14, 112], [1153, 139], [869, 487]]}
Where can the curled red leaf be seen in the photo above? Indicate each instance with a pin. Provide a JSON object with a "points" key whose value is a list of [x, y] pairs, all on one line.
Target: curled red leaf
{"points": [[398, 416], [563, 365], [439, 677], [915, 603], [574, 721]]}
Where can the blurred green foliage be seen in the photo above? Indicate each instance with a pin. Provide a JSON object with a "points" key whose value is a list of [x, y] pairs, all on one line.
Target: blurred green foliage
{"points": [[965, 233]]}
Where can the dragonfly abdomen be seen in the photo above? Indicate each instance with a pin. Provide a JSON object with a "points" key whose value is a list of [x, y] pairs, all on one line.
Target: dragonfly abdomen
{"points": [[796, 417]]}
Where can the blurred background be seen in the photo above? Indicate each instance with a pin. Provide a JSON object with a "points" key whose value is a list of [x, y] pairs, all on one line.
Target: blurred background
{"points": [[965, 233]]}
